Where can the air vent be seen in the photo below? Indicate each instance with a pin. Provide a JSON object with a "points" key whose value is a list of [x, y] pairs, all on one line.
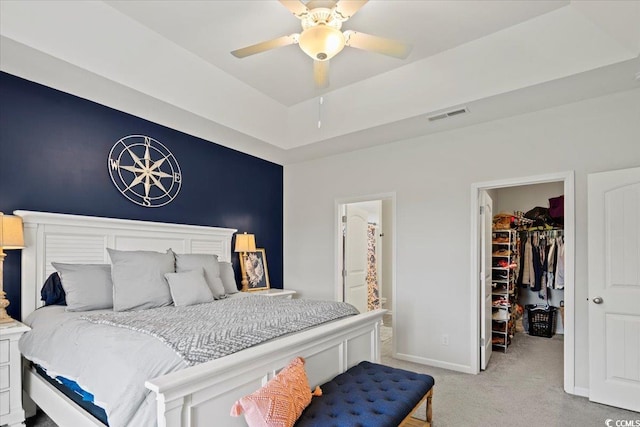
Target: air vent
{"points": [[448, 114]]}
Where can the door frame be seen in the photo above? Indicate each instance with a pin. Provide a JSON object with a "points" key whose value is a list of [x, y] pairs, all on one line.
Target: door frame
{"points": [[568, 178], [338, 286], [485, 237]]}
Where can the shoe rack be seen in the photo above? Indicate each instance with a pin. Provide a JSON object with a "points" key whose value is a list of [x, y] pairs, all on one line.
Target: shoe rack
{"points": [[503, 275]]}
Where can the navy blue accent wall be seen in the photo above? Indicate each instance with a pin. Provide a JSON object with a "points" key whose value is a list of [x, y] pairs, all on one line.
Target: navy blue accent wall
{"points": [[53, 156]]}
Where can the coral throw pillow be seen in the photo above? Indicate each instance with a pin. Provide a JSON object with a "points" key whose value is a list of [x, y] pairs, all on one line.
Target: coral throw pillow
{"points": [[280, 402]]}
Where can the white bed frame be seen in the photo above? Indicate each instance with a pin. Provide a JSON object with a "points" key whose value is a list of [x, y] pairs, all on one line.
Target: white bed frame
{"points": [[202, 394]]}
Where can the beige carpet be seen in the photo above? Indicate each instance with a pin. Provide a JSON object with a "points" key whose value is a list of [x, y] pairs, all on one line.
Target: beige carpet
{"points": [[522, 388]]}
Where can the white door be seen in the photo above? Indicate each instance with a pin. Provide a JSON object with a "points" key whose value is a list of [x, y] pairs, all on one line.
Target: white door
{"points": [[614, 288], [355, 258], [486, 221]]}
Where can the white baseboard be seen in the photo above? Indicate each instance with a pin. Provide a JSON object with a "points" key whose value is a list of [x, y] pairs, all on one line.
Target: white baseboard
{"points": [[435, 363], [580, 391]]}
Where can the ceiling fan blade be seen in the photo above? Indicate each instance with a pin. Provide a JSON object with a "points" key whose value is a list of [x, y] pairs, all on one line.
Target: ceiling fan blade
{"points": [[321, 73], [264, 46], [296, 7], [348, 8], [377, 44]]}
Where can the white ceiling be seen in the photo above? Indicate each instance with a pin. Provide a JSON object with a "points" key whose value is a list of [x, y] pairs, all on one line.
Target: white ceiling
{"points": [[169, 61], [211, 29]]}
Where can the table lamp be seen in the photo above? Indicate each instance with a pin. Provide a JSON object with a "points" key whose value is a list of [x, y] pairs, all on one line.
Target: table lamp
{"points": [[11, 237], [245, 243]]}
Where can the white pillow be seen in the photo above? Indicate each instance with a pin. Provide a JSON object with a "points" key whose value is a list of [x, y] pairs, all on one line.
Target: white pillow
{"points": [[206, 263], [138, 279], [189, 288], [86, 286], [228, 277]]}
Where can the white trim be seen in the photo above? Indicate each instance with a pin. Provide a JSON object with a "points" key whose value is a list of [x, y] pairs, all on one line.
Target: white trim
{"points": [[339, 203], [568, 178], [433, 362], [581, 391], [570, 290], [110, 223], [475, 291]]}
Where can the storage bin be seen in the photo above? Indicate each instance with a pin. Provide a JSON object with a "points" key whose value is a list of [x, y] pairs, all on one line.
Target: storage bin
{"points": [[541, 321]]}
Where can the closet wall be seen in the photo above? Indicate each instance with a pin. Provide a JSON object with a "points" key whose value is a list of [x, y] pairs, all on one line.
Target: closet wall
{"points": [[524, 198]]}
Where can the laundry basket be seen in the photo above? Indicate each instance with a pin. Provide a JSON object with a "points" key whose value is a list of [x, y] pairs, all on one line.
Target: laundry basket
{"points": [[541, 320]]}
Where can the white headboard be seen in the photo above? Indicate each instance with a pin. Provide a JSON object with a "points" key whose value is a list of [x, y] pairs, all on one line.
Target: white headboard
{"points": [[85, 239]]}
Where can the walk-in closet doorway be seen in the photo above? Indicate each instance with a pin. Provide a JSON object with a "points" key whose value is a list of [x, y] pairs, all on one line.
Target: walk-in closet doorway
{"points": [[365, 256], [508, 196]]}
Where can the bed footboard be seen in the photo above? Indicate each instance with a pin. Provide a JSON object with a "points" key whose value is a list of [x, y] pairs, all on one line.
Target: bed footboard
{"points": [[197, 395]]}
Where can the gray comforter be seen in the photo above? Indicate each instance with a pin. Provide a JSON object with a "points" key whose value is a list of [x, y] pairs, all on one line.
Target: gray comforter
{"points": [[202, 332], [114, 362]]}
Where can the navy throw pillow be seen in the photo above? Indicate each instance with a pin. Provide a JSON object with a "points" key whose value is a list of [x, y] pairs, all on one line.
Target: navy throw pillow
{"points": [[52, 292]]}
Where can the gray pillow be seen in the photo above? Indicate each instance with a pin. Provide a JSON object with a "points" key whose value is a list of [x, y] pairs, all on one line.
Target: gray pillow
{"points": [[86, 286], [228, 277], [206, 263], [189, 287], [138, 279]]}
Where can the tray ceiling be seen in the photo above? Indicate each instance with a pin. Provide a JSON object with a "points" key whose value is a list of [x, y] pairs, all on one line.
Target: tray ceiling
{"points": [[177, 53]]}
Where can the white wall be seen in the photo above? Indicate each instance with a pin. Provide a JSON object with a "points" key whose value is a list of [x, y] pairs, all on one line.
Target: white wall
{"points": [[432, 177]]}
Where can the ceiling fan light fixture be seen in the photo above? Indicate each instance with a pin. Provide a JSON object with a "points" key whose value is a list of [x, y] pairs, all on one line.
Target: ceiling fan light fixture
{"points": [[322, 38], [321, 42]]}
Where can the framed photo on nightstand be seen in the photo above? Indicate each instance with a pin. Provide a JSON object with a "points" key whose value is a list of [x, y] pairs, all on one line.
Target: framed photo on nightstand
{"points": [[256, 268]]}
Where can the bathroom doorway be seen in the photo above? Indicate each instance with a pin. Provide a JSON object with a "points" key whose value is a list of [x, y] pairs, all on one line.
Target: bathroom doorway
{"points": [[365, 255]]}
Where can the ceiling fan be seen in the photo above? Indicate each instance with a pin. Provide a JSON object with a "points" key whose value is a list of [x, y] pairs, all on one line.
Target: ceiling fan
{"points": [[321, 37]]}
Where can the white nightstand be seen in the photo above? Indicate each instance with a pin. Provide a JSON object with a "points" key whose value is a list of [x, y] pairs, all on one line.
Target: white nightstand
{"points": [[11, 411], [276, 293]]}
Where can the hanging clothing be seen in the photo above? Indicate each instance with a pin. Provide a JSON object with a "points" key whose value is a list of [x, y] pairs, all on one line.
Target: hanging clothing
{"points": [[373, 299], [528, 274], [552, 259], [559, 283], [542, 261], [537, 268]]}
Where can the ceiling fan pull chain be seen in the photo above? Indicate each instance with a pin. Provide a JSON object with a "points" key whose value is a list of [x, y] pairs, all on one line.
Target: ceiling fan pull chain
{"points": [[320, 102]]}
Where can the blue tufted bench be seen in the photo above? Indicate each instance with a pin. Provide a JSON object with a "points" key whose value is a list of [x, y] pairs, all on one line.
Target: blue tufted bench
{"points": [[370, 395]]}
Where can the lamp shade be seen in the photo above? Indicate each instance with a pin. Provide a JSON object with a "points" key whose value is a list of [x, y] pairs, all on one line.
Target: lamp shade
{"points": [[245, 243], [11, 236], [321, 42]]}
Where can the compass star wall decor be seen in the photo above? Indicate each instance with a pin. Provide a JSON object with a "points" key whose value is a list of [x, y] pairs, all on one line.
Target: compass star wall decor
{"points": [[144, 171]]}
